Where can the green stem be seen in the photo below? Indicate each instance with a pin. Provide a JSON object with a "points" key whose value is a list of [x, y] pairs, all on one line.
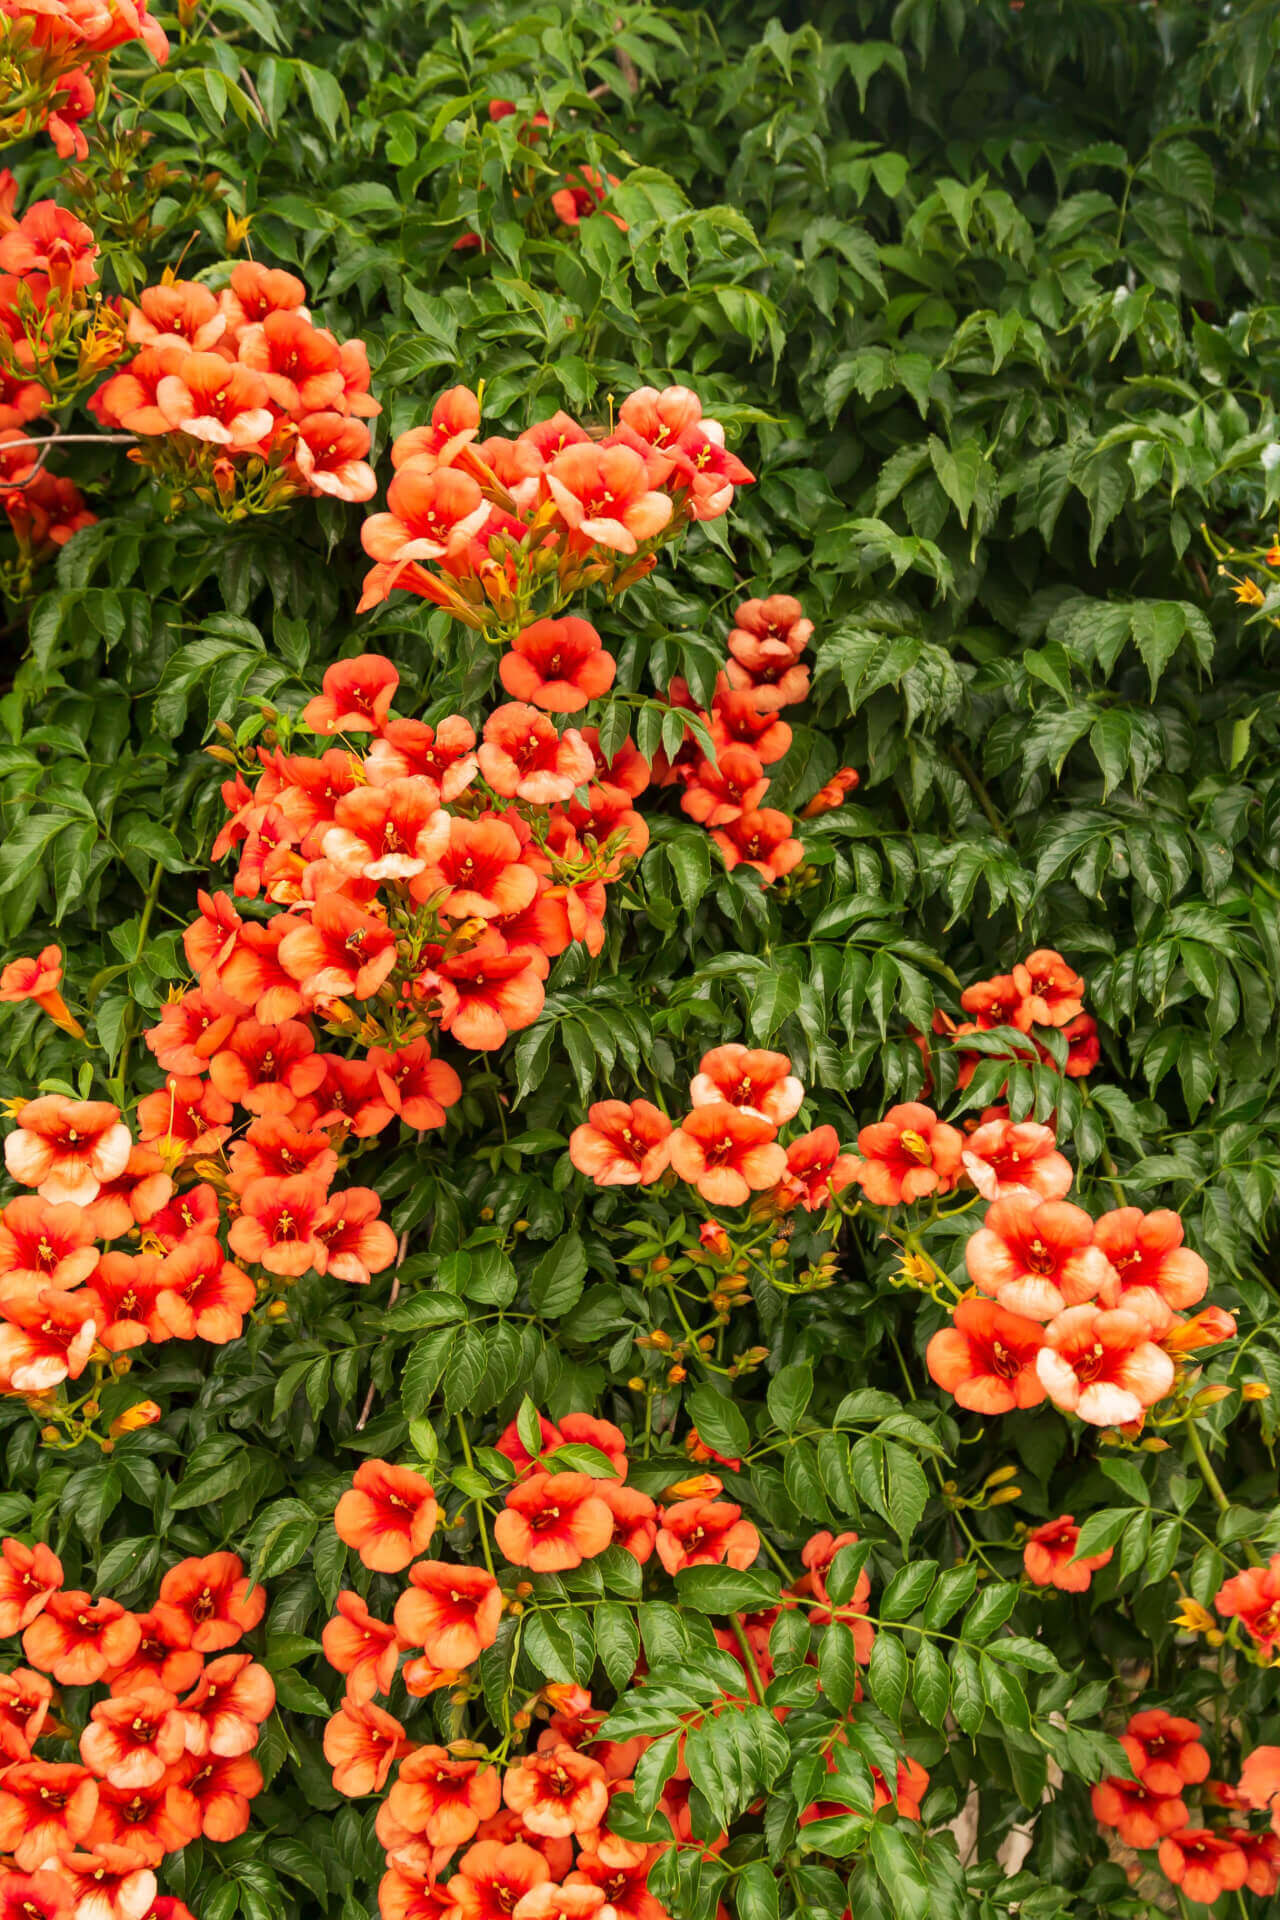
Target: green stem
{"points": [[144, 927], [748, 1658], [476, 1503], [1258, 880], [778, 1560], [980, 793], [1213, 1485]]}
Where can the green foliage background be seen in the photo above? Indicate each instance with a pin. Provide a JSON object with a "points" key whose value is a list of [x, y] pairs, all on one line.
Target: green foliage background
{"points": [[989, 297]]}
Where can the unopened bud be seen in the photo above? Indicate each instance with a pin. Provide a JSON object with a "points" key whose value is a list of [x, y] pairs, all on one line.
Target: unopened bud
{"points": [[1004, 1496], [122, 1364], [778, 1248], [636, 1383], [676, 1374], [278, 1310], [1209, 1397], [91, 1409], [660, 1339], [144, 1414], [486, 1213], [49, 1435], [1001, 1474], [1255, 1390]]}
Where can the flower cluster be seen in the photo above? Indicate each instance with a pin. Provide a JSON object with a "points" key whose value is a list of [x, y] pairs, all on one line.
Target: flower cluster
{"points": [[579, 196], [56, 335], [1041, 991], [1150, 1810], [727, 1147], [725, 791], [165, 1756], [238, 400], [1089, 1314], [56, 332], [430, 879], [500, 531], [118, 1246], [43, 510], [476, 1831], [55, 55]]}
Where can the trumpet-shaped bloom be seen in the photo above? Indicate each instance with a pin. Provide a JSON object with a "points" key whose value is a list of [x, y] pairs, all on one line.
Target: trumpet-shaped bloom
{"points": [[987, 1358], [553, 1521], [750, 1079], [727, 1154], [705, 1533], [1049, 1557], [604, 494], [1156, 1274], [557, 665], [276, 1228], [362, 1744], [452, 1612], [388, 1515], [523, 757], [1101, 1365], [558, 1792], [362, 1647], [66, 1149], [1038, 1257], [444, 1797], [622, 1143], [215, 1599]]}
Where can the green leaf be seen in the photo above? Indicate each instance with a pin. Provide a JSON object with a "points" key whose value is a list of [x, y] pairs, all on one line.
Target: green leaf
{"points": [[908, 1590], [788, 1395], [838, 1666], [720, 1422], [930, 1683], [887, 1675], [617, 1640], [727, 1589], [900, 1872], [559, 1277]]}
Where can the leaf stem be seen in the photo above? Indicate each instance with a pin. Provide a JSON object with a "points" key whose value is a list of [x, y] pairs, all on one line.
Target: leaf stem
{"points": [[748, 1658], [1213, 1485], [980, 793], [477, 1503]]}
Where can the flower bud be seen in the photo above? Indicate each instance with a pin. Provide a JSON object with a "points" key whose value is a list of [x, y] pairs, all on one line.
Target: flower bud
{"points": [[144, 1413], [1255, 1390], [1004, 1495], [699, 1486], [676, 1374], [1209, 1397]]}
